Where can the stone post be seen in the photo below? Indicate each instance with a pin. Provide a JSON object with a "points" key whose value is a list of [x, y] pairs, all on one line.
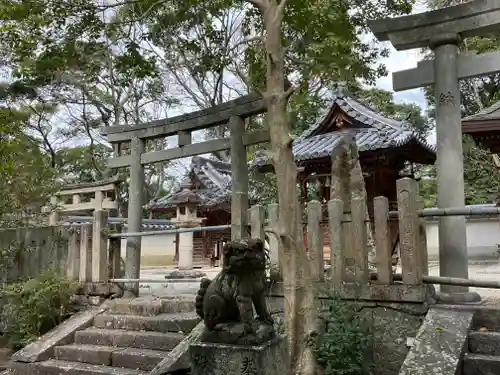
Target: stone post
{"points": [[99, 247], [54, 213], [450, 172], [98, 200], [133, 249], [186, 218], [270, 358], [239, 172], [185, 262]]}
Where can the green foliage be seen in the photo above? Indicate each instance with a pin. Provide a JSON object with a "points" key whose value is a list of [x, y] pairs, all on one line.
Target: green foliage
{"points": [[263, 187], [25, 172], [427, 185], [46, 39], [383, 102], [344, 346], [82, 163], [481, 177], [325, 48], [31, 308], [218, 38]]}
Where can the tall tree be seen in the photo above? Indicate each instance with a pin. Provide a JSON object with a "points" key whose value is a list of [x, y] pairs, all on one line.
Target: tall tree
{"points": [[88, 66], [25, 172]]}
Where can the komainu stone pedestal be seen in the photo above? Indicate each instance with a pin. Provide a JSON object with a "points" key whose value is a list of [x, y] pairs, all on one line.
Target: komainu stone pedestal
{"points": [[222, 359]]}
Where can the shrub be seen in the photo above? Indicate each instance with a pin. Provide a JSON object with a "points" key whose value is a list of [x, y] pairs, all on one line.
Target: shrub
{"points": [[32, 308], [344, 345]]}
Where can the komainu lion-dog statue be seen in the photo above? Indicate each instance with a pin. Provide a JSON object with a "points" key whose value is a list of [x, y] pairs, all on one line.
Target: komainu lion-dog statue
{"points": [[226, 304]]}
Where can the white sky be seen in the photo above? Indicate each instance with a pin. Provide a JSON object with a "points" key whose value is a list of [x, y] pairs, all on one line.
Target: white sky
{"points": [[402, 60]]}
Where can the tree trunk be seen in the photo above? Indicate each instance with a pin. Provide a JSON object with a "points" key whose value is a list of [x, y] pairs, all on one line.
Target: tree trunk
{"points": [[300, 309]]}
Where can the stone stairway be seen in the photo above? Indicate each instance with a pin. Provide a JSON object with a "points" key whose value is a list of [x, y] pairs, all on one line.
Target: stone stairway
{"points": [[130, 338], [483, 356]]}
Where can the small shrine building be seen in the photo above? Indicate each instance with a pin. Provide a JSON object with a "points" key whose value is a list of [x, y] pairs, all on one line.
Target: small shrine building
{"points": [[484, 127]]}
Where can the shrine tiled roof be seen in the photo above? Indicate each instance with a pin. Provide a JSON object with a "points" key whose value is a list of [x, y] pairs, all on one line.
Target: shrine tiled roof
{"points": [[322, 145], [158, 225], [377, 132], [215, 189], [490, 113]]}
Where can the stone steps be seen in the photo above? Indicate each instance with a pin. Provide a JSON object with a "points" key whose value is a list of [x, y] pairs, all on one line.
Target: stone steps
{"points": [[57, 367], [130, 338], [133, 358], [488, 318], [145, 306], [133, 339], [481, 364], [483, 357], [166, 322], [487, 343]]}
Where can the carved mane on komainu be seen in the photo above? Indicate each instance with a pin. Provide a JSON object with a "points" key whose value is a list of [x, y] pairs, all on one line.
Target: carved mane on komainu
{"points": [[226, 303]]}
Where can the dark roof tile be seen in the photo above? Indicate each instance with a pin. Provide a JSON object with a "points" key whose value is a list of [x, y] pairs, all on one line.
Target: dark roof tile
{"points": [[215, 177], [490, 113], [382, 133]]}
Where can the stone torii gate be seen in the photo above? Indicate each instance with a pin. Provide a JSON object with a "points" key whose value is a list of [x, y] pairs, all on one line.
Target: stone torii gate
{"points": [[233, 113], [442, 30]]}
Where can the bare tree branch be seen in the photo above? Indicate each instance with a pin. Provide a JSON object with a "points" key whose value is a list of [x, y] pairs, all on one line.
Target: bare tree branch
{"points": [[280, 10]]}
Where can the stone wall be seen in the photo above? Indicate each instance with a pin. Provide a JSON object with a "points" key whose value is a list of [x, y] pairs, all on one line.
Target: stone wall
{"points": [[392, 325], [25, 252]]}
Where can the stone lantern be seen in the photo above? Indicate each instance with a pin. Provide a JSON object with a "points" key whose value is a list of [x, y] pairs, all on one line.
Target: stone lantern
{"points": [[186, 202]]}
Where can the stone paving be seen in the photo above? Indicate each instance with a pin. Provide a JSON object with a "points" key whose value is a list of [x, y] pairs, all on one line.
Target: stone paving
{"points": [[478, 270]]}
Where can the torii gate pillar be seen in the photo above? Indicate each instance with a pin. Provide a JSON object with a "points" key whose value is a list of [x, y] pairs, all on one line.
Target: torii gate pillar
{"points": [[442, 30], [450, 164]]}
